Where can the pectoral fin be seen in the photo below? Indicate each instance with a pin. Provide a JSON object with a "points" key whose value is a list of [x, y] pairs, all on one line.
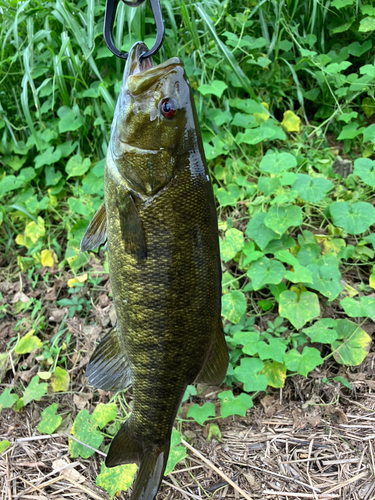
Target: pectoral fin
{"points": [[109, 368], [96, 233], [216, 366], [131, 227]]}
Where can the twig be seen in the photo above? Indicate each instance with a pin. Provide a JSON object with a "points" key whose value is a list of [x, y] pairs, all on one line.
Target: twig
{"points": [[84, 444], [274, 494], [83, 488], [218, 471], [36, 438], [40, 486], [181, 490], [285, 477], [348, 481], [8, 477]]}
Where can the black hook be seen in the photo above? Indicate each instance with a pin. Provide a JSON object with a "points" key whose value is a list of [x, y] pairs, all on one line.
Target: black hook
{"points": [[109, 19]]}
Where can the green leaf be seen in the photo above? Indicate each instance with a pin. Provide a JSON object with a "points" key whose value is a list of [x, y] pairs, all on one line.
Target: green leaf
{"points": [[312, 190], [216, 87], [250, 253], [350, 131], [50, 156], [103, 414], [176, 452], [322, 331], [264, 272], [299, 310], [52, 176], [274, 163], [201, 413], [7, 399], [116, 479], [190, 391], [233, 306], [352, 345], [257, 231], [356, 49], [368, 10], [339, 4], [228, 197], [266, 131], [364, 308], [249, 340], [10, 183], [303, 363], [76, 166], [355, 218], [365, 169], [279, 219], [229, 405], [4, 445], [84, 430], [60, 380], [69, 120], [367, 24], [50, 421], [369, 134], [326, 279], [343, 382], [34, 391], [28, 343], [249, 373], [300, 274], [232, 244], [346, 117], [275, 373], [275, 349]]}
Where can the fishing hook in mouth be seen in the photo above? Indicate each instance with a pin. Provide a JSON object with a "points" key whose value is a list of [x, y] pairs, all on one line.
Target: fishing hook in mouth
{"points": [[109, 19]]}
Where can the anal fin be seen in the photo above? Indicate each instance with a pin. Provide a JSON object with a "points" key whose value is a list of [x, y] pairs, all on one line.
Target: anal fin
{"points": [[131, 227], [109, 368], [216, 365], [96, 233]]}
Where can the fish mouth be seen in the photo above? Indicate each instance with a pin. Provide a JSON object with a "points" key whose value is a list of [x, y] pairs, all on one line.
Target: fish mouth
{"points": [[135, 63], [141, 73]]}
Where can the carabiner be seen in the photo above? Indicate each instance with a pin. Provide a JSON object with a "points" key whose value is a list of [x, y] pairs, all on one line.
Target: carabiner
{"points": [[109, 19]]}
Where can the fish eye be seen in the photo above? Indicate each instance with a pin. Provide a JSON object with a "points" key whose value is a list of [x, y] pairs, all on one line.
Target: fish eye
{"points": [[168, 108]]}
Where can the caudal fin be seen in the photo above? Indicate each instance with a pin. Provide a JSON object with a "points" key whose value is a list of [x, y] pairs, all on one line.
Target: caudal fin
{"points": [[126, 448]]}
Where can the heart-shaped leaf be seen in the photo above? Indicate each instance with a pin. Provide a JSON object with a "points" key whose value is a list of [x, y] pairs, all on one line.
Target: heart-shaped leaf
{"points": [[279, 219], [299, 310], [264, 272], [303, 363], [355, 218]]}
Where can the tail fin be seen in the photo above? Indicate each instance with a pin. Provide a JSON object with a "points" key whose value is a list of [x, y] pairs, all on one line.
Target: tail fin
{"points": [[127, 447]]}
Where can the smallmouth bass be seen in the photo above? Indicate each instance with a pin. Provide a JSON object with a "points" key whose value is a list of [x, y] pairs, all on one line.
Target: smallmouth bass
{"points": [[160, 224]]}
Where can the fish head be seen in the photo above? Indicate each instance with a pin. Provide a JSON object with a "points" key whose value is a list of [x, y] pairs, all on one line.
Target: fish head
{"points": [[155, 121]]}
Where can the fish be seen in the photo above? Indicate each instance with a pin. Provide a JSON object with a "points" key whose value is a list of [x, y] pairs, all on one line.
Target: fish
{"points": [[159, 223]]}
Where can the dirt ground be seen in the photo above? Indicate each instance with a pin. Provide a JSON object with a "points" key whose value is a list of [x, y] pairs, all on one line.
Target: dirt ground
{"points": [[309, 440], [280, 450]]}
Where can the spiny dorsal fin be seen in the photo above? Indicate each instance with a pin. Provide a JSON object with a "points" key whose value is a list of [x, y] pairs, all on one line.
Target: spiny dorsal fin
{"points": [[96, 233], [109, 368], [216, 365]]}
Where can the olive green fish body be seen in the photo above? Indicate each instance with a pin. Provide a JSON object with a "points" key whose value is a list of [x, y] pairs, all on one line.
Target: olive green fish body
{"points": [[164, 265]]}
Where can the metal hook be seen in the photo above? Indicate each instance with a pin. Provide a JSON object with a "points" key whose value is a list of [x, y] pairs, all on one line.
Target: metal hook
{"points": [[109, 19]]}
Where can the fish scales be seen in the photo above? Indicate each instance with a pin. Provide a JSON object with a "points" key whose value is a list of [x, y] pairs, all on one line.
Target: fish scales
{"points": [[160, 224]]}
